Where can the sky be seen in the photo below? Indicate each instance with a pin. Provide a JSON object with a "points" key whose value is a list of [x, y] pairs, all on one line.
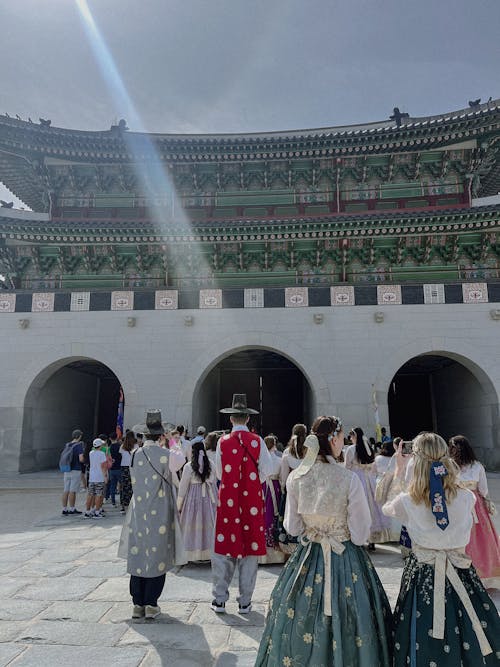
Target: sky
{"points": [[201, 66]]}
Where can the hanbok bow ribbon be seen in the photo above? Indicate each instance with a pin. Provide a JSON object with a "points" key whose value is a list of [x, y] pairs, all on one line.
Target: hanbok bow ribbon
{"points": [[437, 495]]}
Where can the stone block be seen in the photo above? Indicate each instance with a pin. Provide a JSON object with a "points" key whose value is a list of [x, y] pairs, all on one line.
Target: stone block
{"points": [[82, 611], [21, 610], [72, 633], [171, 612], [8, 652], [177, 636], [62, 588], [236, 659], [58, 656]]}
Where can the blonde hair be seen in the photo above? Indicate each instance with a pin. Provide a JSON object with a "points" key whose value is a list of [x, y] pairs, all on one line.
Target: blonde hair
{"points": [[427, 448]]}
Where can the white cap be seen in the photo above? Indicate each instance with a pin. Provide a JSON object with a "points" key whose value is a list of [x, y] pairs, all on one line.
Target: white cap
{"points": [[98, 442], [201, 430]]}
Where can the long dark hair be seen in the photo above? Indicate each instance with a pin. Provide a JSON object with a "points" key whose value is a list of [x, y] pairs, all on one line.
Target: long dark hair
{"points": [[196, 448], [323, 428], [129, 441], [361, 453], [461, 451], [296, 442]]}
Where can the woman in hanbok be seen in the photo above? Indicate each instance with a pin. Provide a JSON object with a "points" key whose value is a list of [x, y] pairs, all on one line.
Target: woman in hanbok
{"points": [[197, 502], [484, 545], [291, 458], [443, 616], [328, 606], [271, 491], [360, 458]]}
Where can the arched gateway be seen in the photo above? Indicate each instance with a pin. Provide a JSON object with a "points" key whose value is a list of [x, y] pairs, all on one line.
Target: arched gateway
{"points": [[273, 383], [449, 394], [70, 393]]}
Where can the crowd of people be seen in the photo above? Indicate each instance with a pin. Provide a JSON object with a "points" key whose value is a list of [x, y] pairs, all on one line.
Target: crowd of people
{"points": [[320, 506]]}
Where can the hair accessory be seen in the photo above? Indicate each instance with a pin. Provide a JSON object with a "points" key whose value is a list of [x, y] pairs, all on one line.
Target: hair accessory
{"points": [[312, 444], [201, 461], [339, 426], [436, 492]]}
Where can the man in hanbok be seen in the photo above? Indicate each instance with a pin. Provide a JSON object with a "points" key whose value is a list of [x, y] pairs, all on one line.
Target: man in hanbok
{"points": [[242, 463], [151, 538]]}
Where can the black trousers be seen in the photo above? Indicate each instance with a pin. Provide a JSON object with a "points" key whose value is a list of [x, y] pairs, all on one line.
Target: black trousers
{"points": [[146, 591]]}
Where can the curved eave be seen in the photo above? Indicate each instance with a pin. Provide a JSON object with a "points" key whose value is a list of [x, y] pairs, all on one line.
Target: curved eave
{"points": [[349, 226], [26, 147]]}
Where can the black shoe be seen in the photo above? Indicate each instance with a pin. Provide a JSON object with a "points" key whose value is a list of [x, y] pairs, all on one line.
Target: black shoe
{"points": [[218, 607], [371, 546], [65, 512], [246, 609], [73, 512]]}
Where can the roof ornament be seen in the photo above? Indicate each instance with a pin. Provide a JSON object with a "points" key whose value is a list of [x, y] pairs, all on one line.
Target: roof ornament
{"points": [[121, 127], [6, 204], [474, 103], [44, 122], [397, 116]]}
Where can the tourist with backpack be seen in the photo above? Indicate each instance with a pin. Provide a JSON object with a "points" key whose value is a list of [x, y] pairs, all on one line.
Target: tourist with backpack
{"points": [[70, 464]]}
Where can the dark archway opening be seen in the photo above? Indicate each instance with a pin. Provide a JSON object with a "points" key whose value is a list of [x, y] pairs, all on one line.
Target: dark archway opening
{"points": [[434, 392], [81, 393], [273, 385]]}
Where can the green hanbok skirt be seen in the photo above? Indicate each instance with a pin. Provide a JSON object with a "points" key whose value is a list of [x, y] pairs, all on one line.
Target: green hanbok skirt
{"points": [[297, 631], [414, 644]]}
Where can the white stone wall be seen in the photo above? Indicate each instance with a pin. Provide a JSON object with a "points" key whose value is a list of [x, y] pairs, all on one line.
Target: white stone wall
{"points": [[160, 362]]}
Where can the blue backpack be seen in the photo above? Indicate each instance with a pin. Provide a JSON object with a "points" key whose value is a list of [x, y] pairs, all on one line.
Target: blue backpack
{"points": [[66, 456]]}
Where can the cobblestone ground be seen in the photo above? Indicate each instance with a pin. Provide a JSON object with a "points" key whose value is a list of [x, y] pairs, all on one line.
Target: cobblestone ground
{"points": [[66, 602]]}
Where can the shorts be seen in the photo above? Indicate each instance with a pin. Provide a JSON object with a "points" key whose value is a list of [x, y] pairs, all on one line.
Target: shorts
{"points": [[72, 481], [96, 488]]}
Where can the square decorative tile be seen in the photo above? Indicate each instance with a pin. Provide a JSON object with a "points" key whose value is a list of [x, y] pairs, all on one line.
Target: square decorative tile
{"points": [[254, 297], [389, 295], [434, 294], [475, 292], [80, 301], [296, 297], [7, 303], [122, 300], [42, 302], [342, 296], [166, 299], [210, 298]]}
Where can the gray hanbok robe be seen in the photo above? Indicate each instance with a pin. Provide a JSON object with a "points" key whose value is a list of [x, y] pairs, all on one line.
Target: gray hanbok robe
{"points": [[151, 539]]}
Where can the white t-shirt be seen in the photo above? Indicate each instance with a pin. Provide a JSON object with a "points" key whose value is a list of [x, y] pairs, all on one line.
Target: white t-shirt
{"points": [[96, 458]]}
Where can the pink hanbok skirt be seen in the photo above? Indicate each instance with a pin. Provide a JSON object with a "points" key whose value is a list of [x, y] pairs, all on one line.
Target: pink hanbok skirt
{"points": [[484, 545]]}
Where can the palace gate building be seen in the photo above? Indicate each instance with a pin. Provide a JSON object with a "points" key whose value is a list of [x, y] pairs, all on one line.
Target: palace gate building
{"points": [[316, 270]]}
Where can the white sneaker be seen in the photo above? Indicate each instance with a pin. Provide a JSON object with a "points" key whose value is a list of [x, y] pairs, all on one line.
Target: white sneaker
{"points": [[151, 612]]}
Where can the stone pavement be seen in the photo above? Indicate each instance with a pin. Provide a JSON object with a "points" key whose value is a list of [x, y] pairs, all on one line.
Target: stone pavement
{"points": [[66, 601]]}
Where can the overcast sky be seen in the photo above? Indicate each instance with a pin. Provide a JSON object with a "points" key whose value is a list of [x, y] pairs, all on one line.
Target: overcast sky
{"points": [[244, 65]]}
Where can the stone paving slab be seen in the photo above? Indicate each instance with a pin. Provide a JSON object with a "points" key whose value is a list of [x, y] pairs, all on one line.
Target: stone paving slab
{"points": [[236, 659], [19, 610], [8, 652], [167, 657], [9, 630], [36, 568], [79, 656], [61, 588], [176, 636], [72, 633], [203, 615], [83, 611], [102, 570], [114, 588]]}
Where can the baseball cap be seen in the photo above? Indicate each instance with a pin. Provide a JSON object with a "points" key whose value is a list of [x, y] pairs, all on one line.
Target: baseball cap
{"points": [[201, 430], [98, 442]]}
